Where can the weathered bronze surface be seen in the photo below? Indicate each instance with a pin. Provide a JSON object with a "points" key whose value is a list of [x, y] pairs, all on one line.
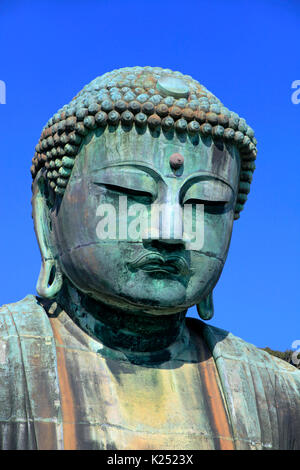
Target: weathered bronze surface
{"points": [[176, 161], [104, 358]]}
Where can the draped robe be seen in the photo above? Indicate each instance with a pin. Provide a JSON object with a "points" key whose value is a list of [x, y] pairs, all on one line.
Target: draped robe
{"points": [[62, 389]]}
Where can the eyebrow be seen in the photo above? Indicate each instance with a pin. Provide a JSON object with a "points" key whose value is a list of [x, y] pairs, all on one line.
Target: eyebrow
{"points": [[140, 166], [205, 176]]}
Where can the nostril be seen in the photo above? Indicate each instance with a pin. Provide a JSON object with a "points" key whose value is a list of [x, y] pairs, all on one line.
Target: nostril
{"points": [[168, 244]]}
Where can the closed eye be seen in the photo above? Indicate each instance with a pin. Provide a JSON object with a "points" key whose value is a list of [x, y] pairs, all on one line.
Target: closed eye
{"points": [[206, 203], [215, 195], [127, 191], [210, 207]]}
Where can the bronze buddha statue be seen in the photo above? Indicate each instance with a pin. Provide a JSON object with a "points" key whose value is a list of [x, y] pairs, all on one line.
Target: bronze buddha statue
{"points": [[104, 357]]}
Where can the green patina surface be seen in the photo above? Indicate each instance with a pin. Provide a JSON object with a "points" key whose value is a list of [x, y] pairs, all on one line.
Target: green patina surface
{"points": [[104, 358]]}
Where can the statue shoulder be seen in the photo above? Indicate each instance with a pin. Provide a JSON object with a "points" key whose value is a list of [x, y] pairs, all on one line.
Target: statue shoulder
{"points": [[23, 325], [27, 301], [25, 317], [28, 366], [262, 392], [23, 305], [225, 344]]}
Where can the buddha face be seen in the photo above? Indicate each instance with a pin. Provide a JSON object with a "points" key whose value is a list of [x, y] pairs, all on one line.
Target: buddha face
{"points": [[103, 230]]}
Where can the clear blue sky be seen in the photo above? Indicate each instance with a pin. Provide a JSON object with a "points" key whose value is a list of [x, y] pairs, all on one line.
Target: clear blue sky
{"points": [[245, 52]]}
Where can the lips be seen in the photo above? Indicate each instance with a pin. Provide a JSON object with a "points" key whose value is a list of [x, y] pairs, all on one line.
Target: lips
{"points": [[154, 262]]}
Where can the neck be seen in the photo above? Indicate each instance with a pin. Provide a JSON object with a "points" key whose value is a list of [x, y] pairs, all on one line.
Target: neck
{"points": [[135, 332]]}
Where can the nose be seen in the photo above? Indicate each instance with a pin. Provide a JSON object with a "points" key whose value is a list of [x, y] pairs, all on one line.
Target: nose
{"points": [[166, 224], [167, 245], [165, 240]]}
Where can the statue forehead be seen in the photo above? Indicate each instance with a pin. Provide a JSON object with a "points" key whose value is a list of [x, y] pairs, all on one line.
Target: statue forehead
{"points": [[104, 149]]}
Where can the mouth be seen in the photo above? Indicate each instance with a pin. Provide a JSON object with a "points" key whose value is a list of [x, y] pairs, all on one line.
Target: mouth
{"points": [[153, 262]]}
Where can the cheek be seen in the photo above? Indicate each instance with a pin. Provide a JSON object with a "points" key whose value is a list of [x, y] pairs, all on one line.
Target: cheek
{"points": [[206, 272], [76, 222], [217, 233], [87, 267]]}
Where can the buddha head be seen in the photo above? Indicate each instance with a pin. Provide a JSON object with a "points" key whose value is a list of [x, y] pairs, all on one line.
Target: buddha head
{"points": [[136, 142]]}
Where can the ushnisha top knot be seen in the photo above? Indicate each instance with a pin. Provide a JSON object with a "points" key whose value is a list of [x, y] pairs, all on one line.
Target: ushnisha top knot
{"points": [[141, 96]]}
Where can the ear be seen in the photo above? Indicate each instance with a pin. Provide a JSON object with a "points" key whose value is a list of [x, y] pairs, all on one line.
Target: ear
{"points": [[50, 279], [206, 307]]}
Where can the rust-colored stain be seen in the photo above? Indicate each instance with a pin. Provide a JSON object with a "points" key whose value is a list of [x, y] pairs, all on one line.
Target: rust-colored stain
{"points": [[215, 401], [67, 403]]}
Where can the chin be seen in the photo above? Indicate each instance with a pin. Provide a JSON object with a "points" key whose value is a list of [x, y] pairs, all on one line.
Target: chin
{"points": [[168, 297]]}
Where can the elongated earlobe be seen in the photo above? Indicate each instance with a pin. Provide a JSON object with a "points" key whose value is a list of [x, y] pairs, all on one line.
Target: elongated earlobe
{"points": [[206, 307], [50, 279]]}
